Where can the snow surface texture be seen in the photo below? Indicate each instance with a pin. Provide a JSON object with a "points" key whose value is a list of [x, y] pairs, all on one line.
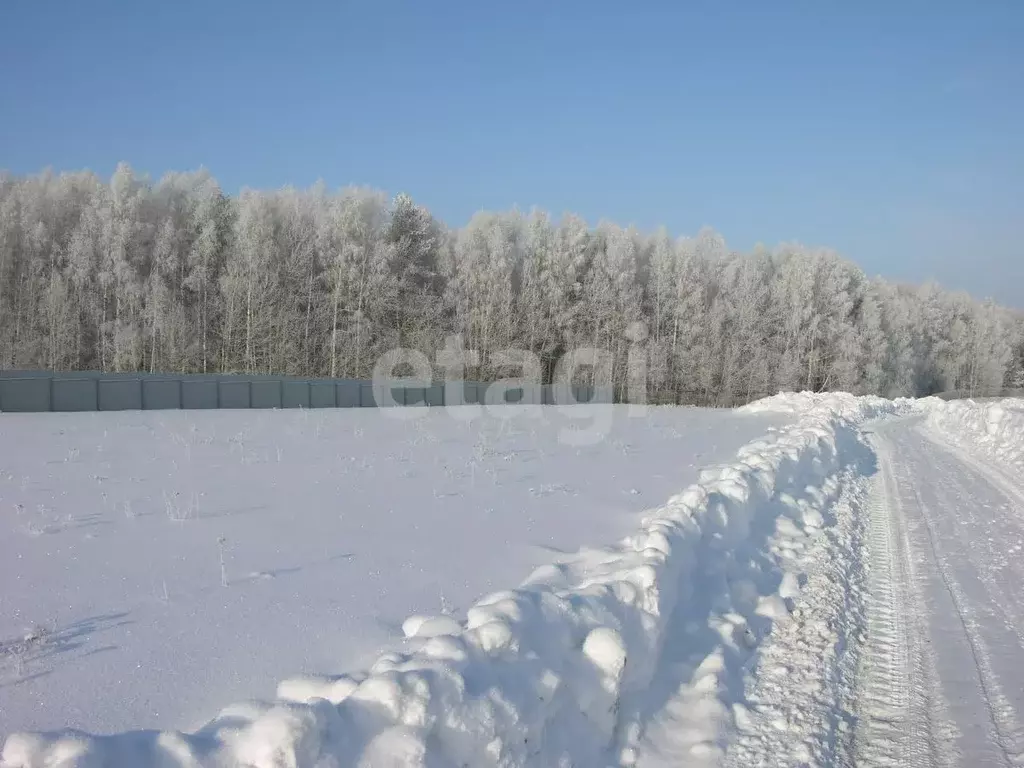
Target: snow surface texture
{"points": [[942, 682], [631, 654], [992, 431], [118, 533]]}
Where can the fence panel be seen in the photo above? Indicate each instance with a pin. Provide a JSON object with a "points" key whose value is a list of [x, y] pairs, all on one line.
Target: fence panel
{"points": [[531, 394], [511, 395], [27, 391], [366, 398], [119, 394], [604, 394], [197, 394], [161, 394], [234, 394], [25, 394], [434, 395], [321, 394], [295, 394], [347, 395], [265, 394], [75, 394], [413, 395]]}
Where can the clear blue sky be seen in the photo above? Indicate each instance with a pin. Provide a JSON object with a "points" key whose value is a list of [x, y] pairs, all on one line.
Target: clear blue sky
{"points": [[893, 132]]}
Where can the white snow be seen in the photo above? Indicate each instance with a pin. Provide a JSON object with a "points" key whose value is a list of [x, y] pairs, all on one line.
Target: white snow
{"points": [[943, 676], [337, 526], [624, 653], [770, 683], [843, 589], [992, 431]]}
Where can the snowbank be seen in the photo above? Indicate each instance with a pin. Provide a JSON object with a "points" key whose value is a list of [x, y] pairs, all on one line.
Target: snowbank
{"points": [[840, 403], [557, 671], [990, 430]]}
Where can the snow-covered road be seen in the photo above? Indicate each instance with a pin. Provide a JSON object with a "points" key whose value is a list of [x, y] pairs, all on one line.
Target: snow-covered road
{"points": [[943, 670]]}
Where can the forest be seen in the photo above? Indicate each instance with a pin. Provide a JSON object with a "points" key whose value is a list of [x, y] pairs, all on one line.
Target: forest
{"points": [[176, 276]]}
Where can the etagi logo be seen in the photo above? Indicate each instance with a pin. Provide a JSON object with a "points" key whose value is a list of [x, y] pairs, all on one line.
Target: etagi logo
{"points": [[590, 422]]}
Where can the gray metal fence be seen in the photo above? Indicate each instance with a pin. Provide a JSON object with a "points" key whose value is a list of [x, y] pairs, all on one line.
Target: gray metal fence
{"points": [[41, 391]]}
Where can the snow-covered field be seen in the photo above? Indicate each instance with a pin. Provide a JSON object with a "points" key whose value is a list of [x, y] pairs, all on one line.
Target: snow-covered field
{"points": [[840, 590], [333, 527]]}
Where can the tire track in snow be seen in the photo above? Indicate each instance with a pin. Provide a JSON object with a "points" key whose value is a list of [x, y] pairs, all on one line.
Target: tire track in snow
{"points": [[900, 719], [993, 600], [958, 610], [994, 473], [1005, 607], [976, 651]]}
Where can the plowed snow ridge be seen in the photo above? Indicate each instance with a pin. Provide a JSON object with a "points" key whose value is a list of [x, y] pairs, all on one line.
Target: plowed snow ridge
{"points": [[993, 431]]}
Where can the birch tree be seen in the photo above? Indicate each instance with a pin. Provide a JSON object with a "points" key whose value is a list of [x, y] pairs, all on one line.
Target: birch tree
{"points": [[124, 275]]}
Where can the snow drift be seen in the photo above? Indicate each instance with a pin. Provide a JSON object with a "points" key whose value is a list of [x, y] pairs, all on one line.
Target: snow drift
{"points": [[555, 672], [839, 404], [993, 431]]}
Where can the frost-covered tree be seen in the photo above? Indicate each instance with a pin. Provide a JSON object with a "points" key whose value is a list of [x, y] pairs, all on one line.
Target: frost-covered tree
{"points": [[871, 340], [415, 241], [1015, 370], [362, 289], [743, 355], [611, 296], [483, 276], [176, 276], [208, 222], [541, 296], [249, 288]]}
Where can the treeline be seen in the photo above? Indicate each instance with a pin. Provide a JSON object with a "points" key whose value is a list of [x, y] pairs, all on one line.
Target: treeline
{"points": [[176, 276]]}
